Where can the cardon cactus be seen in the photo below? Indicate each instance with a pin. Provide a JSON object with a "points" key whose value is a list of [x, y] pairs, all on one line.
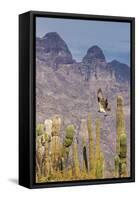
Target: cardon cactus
{"points": [[70, 130], [55, 151], [123, 170], [99, 157], [39, 155], [123, 146], [39, 129], [84, 135], [97, 139], [46, 137], [38, 172], [56, 125], [99, 171], [91, 146], [121, 142], [76, 164], [84, 130], [68, 140], [46, 163], [120, 121], [117, 163], [62, 167], [43, 139], [48, 126], [68, 173], [123, 155]]}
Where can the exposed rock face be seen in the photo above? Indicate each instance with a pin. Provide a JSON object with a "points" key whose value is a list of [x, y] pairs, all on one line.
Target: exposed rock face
{"points": [[121, 70], [94, 65], [94, 54], [53, 50], [97, 71]]}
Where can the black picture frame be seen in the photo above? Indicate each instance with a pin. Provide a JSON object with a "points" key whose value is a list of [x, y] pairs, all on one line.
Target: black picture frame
{"points": [[27, 98]]}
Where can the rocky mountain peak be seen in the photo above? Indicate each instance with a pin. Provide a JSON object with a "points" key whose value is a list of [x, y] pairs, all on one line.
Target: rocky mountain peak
{"points": [[52, 48], [94, 53], [115, 61], [52, 51], [121, 70], [52, 34], [54, 43]]}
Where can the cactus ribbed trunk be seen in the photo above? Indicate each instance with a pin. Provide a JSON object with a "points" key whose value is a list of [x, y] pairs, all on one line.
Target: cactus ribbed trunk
{"points": [[38, 172], [121, 141], [120, 121], [55, 144], [97, 139], [99, 171], [91, 146], [68, 140], [99, 157], [117, 161], [46, 161], [76, 164], [123, 155], [84, 135], [55, 150]]}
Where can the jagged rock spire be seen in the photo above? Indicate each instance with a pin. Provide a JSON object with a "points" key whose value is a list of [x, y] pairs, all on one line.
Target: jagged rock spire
{"points": [[94, 53]]}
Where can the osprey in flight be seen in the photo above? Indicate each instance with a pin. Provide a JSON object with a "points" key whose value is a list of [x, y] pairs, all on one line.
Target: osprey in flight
{"points": [[102, 101]]}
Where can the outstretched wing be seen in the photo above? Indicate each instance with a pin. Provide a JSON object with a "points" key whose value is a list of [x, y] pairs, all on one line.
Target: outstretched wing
{"points": [[100, 95], [101, 100]]}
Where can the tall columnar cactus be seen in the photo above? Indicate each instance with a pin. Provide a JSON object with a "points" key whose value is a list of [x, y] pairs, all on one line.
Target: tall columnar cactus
{"points": [[38, 172], [91, 146], [70, 130], [99, 157], [99, 171], [39, 129], [97, 138], [55, 151], [46, 163], [56, 125], [84, 135], [121, 141], [76, 164], [116, 161], [39, 151], [48, 127], [39, 156], [120, 121], [68, 140], [123, 155], [55, 144]]}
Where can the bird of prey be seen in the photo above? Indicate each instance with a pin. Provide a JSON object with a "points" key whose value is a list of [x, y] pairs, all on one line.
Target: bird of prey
{"points": [[102, 101]]}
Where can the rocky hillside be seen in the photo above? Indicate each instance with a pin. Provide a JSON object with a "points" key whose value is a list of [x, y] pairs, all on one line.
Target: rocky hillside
{"points": [[52, 50], [69, 89], [121, 70]]}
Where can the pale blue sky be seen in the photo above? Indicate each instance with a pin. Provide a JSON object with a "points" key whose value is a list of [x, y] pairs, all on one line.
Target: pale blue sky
{"points": [[79, 35]]}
